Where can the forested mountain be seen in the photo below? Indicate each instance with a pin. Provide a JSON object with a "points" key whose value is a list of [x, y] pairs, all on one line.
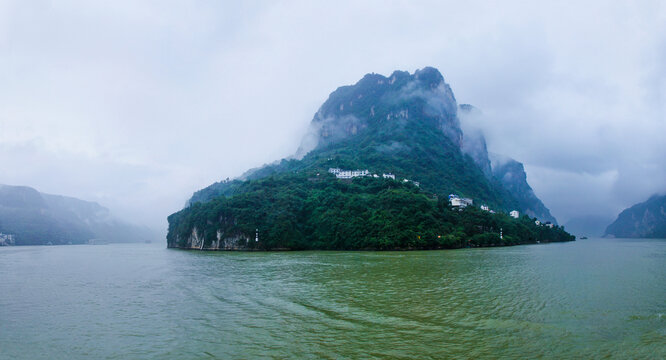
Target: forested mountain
{"points": [[406, 125], [643, 220], [28, 217]]}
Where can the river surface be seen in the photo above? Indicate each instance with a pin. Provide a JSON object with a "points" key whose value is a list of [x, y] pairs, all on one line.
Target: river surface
{"points": [[597, 298]]}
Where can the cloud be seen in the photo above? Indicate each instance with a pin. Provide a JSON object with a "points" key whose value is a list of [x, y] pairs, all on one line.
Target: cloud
{"points": [[138, 104]]}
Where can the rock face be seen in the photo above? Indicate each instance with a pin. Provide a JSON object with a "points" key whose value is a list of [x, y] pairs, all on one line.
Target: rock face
{"points": [[33, 218], [643, 220], [474, 143], [394, 124], [408, 125], [197, 241], [511, 174]]}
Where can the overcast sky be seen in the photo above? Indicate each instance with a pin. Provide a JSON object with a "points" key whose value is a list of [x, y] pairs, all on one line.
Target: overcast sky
{"points": [[136, 104]]}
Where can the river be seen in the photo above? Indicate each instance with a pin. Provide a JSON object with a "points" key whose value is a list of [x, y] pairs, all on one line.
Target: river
{"points": [[596, 298]]}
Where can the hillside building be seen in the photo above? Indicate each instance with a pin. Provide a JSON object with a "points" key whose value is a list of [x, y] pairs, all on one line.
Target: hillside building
{"points": [[348, 174], [456, 201]]}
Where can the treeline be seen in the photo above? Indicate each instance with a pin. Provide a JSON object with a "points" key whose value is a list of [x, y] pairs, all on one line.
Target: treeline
{"points": [[299, 211]]}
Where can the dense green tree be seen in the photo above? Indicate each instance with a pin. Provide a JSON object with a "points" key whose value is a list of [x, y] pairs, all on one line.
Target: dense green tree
{"points": [[304, 210]]}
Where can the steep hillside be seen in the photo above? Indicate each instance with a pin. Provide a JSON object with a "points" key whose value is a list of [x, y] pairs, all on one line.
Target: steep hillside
{"points": [[511, 174], [406, 125], [643, 220], [403, 124]]}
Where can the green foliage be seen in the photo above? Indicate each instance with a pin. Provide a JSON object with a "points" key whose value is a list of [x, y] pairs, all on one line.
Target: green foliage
{"points": [[406, 125], [308, 211], [414, 146]]}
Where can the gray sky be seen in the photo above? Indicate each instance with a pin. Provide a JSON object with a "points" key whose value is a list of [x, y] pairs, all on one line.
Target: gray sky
{"points": [[136, 104]]}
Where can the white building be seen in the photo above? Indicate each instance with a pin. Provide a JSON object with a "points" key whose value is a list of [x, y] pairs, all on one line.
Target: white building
{"points": [[457, 201], [348, 174], [537, 223], [388, 176], [514, 214], [485, 208]]}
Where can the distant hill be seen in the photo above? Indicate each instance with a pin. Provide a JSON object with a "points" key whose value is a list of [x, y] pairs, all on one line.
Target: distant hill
{"points": [[406, 125], [643, 220], [28, 217]]}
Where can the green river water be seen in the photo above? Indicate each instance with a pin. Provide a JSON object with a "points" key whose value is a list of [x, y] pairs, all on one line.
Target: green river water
{"points": [[597, 298]]}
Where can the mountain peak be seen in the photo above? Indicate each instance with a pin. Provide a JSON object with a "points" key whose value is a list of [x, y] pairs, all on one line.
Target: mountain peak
{"points": [[429, 75], [377, 103], [407, 125]]}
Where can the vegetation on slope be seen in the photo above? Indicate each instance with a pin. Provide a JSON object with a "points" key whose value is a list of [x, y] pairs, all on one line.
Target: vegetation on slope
{"points": [[305, 211]]}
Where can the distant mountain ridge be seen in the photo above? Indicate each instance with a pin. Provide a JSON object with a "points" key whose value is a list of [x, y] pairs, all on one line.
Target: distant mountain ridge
{"points": [[643, 220], [29, 217], [394, 124]]}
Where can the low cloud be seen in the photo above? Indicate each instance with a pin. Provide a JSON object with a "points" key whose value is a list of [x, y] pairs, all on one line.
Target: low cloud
{"points": [[137, 105]]}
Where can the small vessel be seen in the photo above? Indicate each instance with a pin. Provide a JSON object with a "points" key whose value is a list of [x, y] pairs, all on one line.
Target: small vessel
{"points": [[583, 238]]}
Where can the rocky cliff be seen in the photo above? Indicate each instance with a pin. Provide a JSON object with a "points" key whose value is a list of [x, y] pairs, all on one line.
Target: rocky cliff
{"points": [[404, 124], [643, 220], [409, 125]]}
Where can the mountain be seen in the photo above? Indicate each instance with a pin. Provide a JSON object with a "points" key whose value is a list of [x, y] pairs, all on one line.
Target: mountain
{"points": [[406, 125], [28, 217], [511, 174], [643, 220]]}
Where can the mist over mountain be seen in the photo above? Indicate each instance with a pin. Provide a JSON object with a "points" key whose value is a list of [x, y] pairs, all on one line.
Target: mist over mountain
{"points": [[508, 171], [403, 135], [395, 125], [590, 225], [643, 220], [34, 218]]}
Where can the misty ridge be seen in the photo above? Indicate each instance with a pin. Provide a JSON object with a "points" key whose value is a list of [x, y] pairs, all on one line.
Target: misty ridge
{"points": [[438, 105], [28, 217], [388, 140]]}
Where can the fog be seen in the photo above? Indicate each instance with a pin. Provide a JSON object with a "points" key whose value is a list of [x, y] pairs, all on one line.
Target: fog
{"points": [[138, 104]]}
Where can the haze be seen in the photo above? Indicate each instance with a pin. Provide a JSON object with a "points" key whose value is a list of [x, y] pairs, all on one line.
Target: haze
{"points": [[136, 105]]}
